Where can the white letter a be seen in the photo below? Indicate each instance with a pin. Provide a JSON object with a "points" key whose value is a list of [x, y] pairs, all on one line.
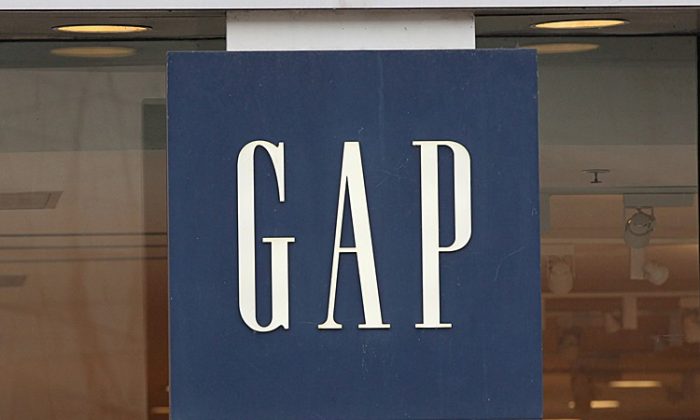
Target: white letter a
{"points": [[352, 180]]}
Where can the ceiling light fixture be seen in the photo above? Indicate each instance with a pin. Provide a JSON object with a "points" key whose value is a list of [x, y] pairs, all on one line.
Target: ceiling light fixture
{"points": [[102, 29], [580, 24], [562, 47], [634, 384], [596, 172], [656, 273], [93, 52], [638, 229], [598, 404]]}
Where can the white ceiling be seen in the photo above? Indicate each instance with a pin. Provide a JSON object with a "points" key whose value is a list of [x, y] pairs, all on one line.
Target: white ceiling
{"points": [[208, 24]]}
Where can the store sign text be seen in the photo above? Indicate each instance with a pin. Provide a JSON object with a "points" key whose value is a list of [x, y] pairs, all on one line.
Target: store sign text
{"points": [[352, 184]]}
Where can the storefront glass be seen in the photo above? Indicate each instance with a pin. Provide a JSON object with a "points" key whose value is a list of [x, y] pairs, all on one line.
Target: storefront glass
{"points": [[83, 243], [618, 143], [83, 237]]}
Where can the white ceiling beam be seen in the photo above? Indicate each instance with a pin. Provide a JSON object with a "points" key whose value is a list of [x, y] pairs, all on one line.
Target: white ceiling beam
{"points": [[318, 30]]}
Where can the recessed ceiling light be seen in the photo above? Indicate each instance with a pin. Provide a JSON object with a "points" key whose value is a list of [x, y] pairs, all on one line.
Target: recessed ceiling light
{"points": [[597, 404], [605, 404], [580, 24], [562, 47], [93, 52], [102, 29], [635, 384]]}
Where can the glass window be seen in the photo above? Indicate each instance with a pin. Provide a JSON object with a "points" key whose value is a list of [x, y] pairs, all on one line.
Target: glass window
{"points": [[618, 178], [83, 244]]}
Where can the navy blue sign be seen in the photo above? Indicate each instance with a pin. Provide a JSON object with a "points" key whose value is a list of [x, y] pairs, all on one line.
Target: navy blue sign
{"points": [[354, 235]]}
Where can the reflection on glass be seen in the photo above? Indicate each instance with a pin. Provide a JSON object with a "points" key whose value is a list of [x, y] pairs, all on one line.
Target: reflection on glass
{"points": [[618, 171], [83, 245]]}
